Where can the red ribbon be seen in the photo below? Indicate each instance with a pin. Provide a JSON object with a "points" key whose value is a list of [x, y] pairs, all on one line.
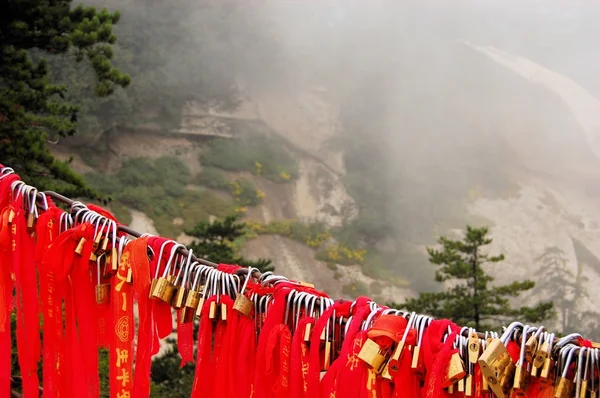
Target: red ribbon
{"points": [[140, 266], [28, 336], [121, 358]]}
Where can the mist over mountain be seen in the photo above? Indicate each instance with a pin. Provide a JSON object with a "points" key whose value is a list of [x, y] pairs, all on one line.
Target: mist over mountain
{"points": [[408, 120]]}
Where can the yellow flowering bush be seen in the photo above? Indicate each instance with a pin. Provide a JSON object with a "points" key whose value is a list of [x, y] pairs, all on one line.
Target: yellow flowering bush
{"points": [[342, 254], [285, 176]]}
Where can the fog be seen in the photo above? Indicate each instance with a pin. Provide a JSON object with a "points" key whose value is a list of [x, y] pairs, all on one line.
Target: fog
{"points": [[438, 103]]}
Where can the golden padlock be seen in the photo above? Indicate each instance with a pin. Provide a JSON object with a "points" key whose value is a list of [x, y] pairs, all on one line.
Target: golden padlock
{"points": [[541, 355], [530, 348], [212, 310], [484, 384], [152, 288], [163, 290], [546, 371], [307, 331], [243, 305], [473, 348], [223, 312], [191, 304], [30, 223], [506, 379], [469, 386], [79, 248], [102, 292], [385, 373], [583, 389], [520, 382], [179, 297], [371, 353], [327, 357], [394, 363], [93, 257], [451, 389], [564, 388], [495, 364], [11, 216], [96, 242], [455, 371], [461, 385], [200, 307], [102, 249], [114, 259], [415, 359]]}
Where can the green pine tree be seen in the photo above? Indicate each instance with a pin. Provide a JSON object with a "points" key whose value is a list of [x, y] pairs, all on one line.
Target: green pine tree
{"points": [[215, 242], [32, 108], [566, 290], [470, 298]]}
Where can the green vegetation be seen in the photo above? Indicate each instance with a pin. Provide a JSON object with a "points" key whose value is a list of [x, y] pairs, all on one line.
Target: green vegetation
{"points": [[215, 242], [260, 154], [158, 189], [355, 289], [312, 234], [243, 190], [471, 301], [33, 108], [565, 289]]}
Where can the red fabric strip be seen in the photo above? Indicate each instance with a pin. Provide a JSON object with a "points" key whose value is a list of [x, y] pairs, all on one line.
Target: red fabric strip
{"points": [[121, 358]]}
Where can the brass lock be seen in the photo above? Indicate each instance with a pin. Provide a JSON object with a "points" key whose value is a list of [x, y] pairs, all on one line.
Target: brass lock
{"points": [[394, 363], [179, 297], [191, 304], [506, 379], [451, 389], [461, 385], [114, 259], [96, 242], [307, 331], [415, 359], [102, 249], [484, 384], [152, 288], [530, 349], [11, 216], [102, 292], [30, 223], [520, 382], [546, 371], [455, 371], [495, 364], [583, 389], [212, 310], [243, 305], [372, 354], [79, 248], [473, 348], [385, 373], [223, 312], [541, 355], [163, 290], [93, 256], [200, 306], [469, 386], [327, 357], [564, 388]]}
